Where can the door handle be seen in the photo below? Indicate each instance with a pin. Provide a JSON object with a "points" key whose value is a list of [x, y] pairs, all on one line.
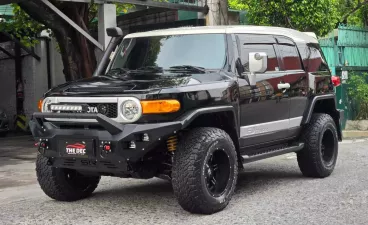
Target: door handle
{"points": [[283, 86]]}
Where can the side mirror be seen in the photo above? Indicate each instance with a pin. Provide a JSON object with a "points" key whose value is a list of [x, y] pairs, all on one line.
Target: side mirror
{"points": [[114, 32], [257, 64]]}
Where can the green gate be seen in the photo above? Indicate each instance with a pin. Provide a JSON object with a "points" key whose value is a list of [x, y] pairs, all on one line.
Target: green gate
{"points": [[346, 51]]}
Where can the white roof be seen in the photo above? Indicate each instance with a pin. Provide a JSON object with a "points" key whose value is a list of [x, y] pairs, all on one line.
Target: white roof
{"points": [[297, 36]]}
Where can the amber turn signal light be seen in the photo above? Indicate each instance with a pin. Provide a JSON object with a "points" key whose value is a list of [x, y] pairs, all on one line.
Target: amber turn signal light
{"points": [[40, 103], [160, 106]]}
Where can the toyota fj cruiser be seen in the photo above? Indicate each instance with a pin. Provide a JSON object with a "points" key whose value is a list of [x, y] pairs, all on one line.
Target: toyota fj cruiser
{"points": [[190, 105]]}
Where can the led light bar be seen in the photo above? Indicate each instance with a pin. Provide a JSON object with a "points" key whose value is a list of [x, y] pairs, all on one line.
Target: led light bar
{"points": [[66, 108]]}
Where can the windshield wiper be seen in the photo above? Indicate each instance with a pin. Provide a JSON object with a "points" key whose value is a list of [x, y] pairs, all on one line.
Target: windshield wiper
{"points": [[117, 71], [149, 69], [187, 68]]}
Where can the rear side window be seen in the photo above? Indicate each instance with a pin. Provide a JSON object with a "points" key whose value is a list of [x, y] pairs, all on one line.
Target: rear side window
{"points": [[272, 64], [290, 57], [316, 62]]}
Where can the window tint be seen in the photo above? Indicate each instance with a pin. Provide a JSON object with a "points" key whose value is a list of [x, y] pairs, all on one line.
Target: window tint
{"points": [[272, 64], [290, 57], [256, 39], [316, 61], [203, 50]]}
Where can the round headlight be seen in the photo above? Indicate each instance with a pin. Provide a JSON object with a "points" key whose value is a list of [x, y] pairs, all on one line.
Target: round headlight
{"points": [[45, 104], [131, 110]]}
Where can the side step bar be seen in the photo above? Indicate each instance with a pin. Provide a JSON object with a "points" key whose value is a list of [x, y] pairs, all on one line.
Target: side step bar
{"points": [[295, 148]]}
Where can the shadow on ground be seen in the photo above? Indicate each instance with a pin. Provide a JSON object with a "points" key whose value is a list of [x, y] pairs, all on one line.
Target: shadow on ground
{"points": [[157, 195]]}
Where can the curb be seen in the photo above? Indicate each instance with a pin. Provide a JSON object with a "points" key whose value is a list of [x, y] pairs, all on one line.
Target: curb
{"points": [[354, 134], [352, 141]]}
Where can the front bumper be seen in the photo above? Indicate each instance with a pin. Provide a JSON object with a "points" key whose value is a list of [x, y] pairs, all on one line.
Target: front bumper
{"points": [[117, 135]]}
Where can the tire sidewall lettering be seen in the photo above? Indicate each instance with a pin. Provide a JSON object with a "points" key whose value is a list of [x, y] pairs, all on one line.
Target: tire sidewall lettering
{"points": [[231, 185]]}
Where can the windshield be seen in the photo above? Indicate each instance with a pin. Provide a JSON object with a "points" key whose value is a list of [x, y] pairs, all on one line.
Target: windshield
{"points": [[200, 50]]}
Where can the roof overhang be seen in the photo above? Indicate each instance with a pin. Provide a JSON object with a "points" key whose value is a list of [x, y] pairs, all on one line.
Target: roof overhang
{"points": [[4, 37]]}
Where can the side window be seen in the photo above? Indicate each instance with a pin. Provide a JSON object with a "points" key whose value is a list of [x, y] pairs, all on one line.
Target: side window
{"points": [[272, 64], [290, 57], [316, 62]]}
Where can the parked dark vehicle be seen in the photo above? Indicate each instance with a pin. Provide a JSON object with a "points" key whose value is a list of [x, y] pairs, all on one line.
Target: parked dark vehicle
{"points": [[4, 123], [190, 105]]}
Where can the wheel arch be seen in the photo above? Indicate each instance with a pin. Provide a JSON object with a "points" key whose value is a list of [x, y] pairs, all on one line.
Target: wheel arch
{"points": [[222, 117], [324, 104]]}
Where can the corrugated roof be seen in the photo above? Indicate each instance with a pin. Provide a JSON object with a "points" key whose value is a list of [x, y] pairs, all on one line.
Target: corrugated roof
{"points": [[6, 10]]}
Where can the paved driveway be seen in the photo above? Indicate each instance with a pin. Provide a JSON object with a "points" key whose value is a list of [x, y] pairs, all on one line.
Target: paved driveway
{"points": [[269, 192]]}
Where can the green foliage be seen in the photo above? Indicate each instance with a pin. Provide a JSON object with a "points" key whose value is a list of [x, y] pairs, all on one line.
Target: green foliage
{"points": [[23, 27], [319, 16], [238, 4], [358, 91]]}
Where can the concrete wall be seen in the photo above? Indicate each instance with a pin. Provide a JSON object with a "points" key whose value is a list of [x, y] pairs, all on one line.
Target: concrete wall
{"points": [[7, 88], [35, 79], [35, 76], [57, 75]]}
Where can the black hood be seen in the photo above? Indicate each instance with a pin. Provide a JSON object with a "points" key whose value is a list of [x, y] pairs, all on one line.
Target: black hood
{"points": [[133, 83]]}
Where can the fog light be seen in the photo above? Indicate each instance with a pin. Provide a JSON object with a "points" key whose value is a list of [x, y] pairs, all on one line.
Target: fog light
{"points": [[132, 145], [43, 144], [107, 148], [145, 137]]}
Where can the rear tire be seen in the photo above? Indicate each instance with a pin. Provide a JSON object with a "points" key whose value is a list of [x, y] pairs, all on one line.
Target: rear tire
{"points": [[64, 184], [319, 156], [205, 171]]}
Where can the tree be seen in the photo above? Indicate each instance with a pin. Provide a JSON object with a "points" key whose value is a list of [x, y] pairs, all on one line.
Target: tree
{"points": [[319, 16], [33, 16], [354, 12]]}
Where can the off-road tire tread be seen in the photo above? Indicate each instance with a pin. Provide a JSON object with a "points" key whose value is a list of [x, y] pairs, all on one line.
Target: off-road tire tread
{"points": [[56, 187], [308, 158], [186, 185]]}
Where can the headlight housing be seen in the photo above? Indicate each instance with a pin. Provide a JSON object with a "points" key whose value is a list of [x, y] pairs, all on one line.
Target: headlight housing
{"points": [[131, 110], [44, 104]]}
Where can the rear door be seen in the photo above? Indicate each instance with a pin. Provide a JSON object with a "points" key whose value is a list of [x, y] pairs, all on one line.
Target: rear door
{"points": [[296, 78], [264, 109]]}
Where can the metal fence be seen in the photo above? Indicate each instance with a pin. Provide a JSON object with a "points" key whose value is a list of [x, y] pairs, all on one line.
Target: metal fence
{"points": [[346, 51]]}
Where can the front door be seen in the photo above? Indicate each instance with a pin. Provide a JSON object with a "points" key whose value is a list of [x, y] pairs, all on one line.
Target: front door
{"points": [[264, 109]]}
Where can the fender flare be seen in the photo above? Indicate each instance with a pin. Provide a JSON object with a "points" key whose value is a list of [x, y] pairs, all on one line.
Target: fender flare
{"points": [[338, 114], [190, 116], [312, 102]]}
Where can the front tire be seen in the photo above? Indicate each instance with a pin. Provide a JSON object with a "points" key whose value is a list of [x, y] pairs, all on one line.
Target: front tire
{"points": [[64, 184], [319, 156], [205, 171]]}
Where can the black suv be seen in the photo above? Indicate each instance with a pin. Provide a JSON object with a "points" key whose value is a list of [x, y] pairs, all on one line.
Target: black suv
{"points": [[190, 105]]}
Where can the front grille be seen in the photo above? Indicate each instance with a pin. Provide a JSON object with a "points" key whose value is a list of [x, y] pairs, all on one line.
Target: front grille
{"points": [[111, 109]]}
